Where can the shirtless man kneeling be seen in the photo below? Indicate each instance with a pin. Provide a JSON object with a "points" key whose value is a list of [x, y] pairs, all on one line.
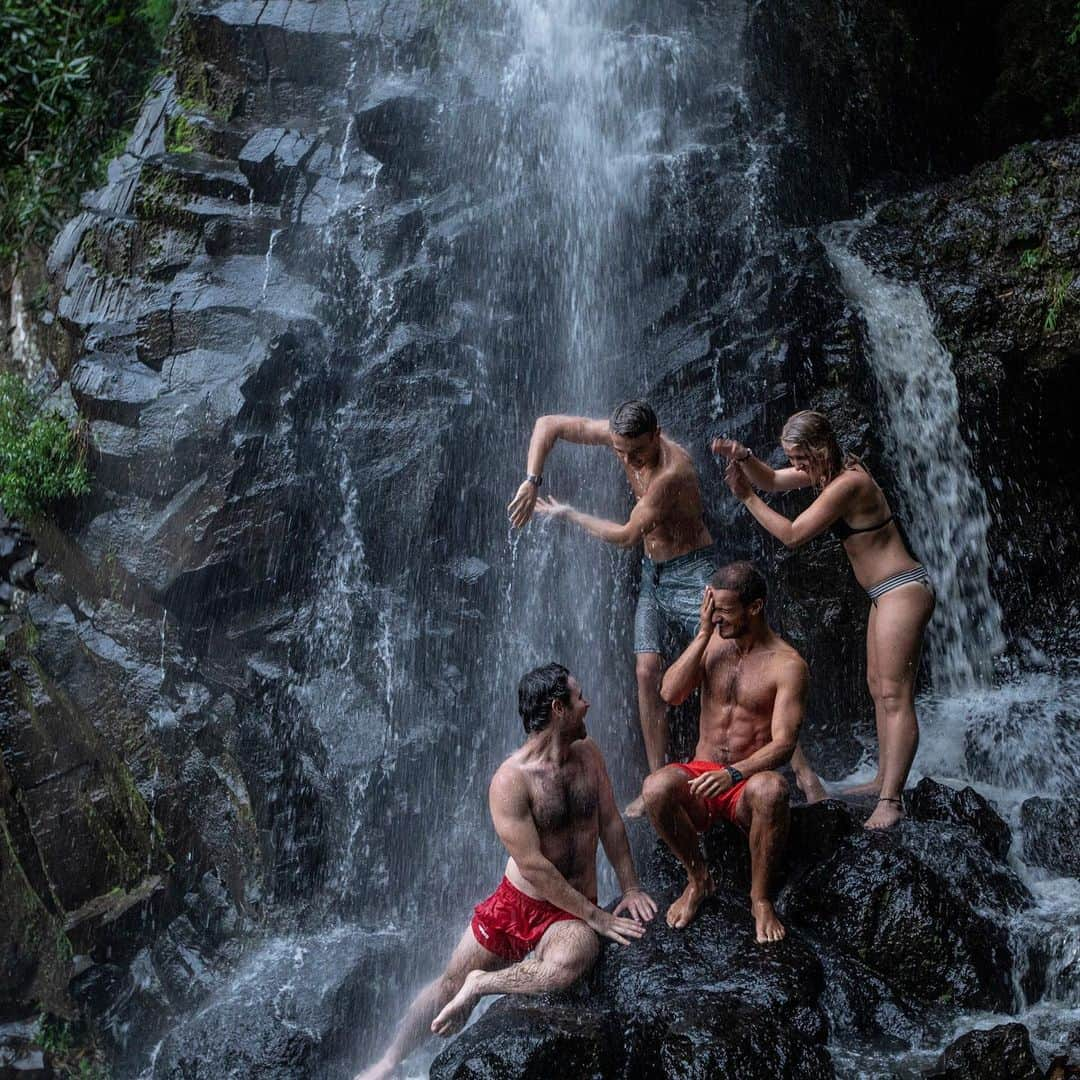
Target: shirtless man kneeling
{"points": [[551, 802], [753, 694]]}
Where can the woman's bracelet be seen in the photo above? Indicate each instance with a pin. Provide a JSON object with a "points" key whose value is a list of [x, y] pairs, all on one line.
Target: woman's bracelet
{"points": [[746, 457]]}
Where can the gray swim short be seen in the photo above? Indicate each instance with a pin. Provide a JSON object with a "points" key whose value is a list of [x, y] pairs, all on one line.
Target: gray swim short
{"points": [[669, 604]]}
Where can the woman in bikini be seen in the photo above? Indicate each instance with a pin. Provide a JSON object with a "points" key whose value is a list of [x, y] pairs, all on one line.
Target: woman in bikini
{"points": [[852, 507]]}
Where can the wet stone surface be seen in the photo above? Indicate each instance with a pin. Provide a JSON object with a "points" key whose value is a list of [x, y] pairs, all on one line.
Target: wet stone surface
{"points": [[879, 940]]}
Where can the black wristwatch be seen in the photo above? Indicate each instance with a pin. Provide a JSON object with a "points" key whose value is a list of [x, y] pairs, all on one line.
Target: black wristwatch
{"points": [[749, 454], [536, 481], [734, 773]]}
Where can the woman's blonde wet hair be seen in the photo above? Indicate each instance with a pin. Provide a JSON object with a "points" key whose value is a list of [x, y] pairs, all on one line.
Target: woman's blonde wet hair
{"points": [[811, 432]]}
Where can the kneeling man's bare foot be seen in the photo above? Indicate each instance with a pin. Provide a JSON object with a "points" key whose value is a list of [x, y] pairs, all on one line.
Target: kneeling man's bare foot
{"points": [[636, 808], [886, 814], [379, 1071], [458, 1009], [812, 788], [682, 912], [768, 926]]}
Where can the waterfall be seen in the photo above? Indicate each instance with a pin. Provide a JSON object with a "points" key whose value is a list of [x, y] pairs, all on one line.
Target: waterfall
{"points": [[1012, 733], [939, 500]]}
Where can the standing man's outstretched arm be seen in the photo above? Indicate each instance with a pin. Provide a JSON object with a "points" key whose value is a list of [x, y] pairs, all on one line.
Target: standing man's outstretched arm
{"points": [[546, 432]]}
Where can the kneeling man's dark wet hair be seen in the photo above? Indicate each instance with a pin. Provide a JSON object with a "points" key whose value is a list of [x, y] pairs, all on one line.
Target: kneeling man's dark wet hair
{"points": [[743, 578], [537, 691], [633, 418]]}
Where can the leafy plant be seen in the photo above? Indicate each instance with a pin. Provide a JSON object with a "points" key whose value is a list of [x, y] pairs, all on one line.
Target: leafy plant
{"points": [[1031, 259], [70, 73], [55, 1035], [41, 457], [1059, 291], [1073, 36]]}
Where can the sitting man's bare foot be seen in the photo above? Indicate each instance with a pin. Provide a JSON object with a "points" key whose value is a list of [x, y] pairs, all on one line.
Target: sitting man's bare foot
{"points": [[871, 787], [458, 1009], [812, 788], [886, 814], [636, 808], [682, 912], [768, 926], [379, 1071]]}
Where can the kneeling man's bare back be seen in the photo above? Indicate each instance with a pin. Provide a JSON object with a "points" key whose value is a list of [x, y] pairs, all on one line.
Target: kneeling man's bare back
{"points": [[551, 803], [753, 694]]}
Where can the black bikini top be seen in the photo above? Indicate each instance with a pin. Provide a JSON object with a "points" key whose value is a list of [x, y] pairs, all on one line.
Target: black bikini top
{"points": [[842, 530]]}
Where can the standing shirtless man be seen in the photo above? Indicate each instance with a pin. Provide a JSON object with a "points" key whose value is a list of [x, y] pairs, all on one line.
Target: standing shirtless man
{"points": [[668, 518], [753, 694], [551, 803]]}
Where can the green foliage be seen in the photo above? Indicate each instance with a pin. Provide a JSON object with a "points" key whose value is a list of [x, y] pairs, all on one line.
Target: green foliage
{"points": [[1073, 36], [1059, 292], [55, 1035], [181, 135], [1031, 259], [41, 459], [71, 72], [1008, 179]]}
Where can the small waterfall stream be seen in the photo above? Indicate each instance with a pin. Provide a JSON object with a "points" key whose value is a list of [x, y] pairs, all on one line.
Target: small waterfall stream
{"points": [[1010, 729]]}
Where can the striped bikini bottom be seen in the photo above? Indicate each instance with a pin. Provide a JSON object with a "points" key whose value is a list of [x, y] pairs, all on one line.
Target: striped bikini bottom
{"points": [[905, 577]]}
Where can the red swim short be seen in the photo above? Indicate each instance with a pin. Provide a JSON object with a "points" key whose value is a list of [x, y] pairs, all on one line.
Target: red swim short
{"points": [[511, 924], [725, 805]]}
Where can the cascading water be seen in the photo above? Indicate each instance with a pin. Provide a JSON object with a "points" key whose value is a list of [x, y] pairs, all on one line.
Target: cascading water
{"points": [[1012, 731], [939, 501]]}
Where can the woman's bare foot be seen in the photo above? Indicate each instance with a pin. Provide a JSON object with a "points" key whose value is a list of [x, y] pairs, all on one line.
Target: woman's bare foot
{"points": [[381, 1070], [636, 808], [871, 787], [768, 926], [886, 814], [811, 786], [682, 912], [459, 1008]]}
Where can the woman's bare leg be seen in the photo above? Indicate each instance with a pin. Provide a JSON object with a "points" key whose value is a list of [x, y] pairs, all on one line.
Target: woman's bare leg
{"points": [[902, 615], [873, 787]]}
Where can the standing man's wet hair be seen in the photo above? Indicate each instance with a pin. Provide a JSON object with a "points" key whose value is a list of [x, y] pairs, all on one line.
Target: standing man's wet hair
{"points": [[633, 418], [538, 690], [743, 578]]}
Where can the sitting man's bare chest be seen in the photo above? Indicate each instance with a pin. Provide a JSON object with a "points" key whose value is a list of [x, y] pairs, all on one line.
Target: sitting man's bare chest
{"points": [[563, 798]]}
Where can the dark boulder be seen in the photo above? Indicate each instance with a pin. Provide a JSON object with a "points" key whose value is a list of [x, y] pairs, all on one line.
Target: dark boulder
{"points": [[876, 901], [1051, 830], [931, 801], [1001, 1053], [518, 1040]]}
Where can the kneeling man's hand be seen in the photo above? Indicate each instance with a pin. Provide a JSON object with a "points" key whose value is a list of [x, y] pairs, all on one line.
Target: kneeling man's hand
{"points": [[714, 782], [638, 904], [616, 927]]}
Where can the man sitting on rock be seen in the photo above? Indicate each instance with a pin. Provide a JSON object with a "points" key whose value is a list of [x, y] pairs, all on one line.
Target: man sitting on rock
{"points": [[551, 802], [753, 692]]}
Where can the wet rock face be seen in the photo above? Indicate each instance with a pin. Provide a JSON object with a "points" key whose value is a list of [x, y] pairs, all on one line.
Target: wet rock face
{"points": [[995, 255], [1002, 1053], [878, 929], [1052, 834]]}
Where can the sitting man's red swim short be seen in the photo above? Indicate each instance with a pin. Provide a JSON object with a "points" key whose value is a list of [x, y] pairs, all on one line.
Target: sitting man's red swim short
{"points": [[510, 924], [725, 805]]}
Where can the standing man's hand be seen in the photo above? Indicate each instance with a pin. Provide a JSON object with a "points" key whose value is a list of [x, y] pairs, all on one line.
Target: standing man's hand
{"points": [[731, 449], [736, 479], [708, 605], [520, 508], [638, 904], [552, 507]]}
